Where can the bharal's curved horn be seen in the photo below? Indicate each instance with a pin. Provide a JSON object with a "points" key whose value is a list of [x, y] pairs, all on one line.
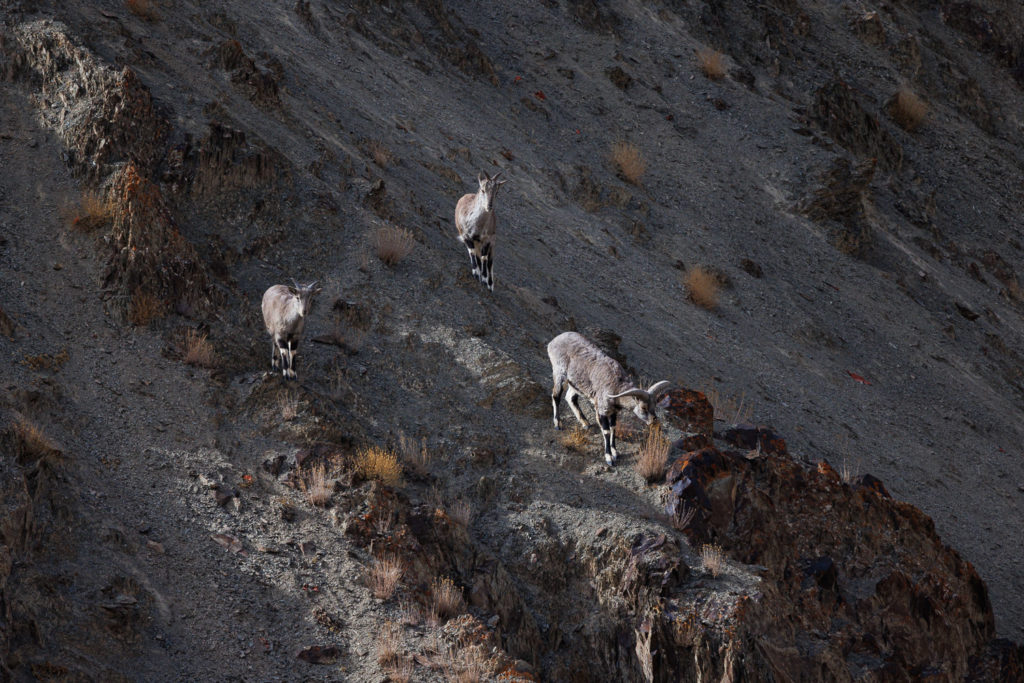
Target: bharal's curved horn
{"points": [[636, 393], [659, 388]]}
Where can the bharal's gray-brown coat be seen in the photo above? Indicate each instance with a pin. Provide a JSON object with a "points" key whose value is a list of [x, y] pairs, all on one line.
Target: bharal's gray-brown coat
{"points": [[578, 363], [474, 219]]}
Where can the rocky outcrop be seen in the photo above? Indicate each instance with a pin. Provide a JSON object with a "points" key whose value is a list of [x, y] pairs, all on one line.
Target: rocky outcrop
{"points": [[855, 584], [103, 115]]}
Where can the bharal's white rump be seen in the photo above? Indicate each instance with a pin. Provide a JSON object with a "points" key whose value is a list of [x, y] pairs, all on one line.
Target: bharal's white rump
{"points": [[284, 315], [578, 363], [474, 219]]}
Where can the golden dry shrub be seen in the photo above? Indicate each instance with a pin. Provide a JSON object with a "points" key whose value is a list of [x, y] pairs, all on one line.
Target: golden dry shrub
{"points": [[629, 161], [198, 350], [144, 9], [380, 154], [461, 512], [653, 455], [702, 287], [389, 644], [374, 462], [416, 458], [384, 575], [711, 63], [144, 308], [445, 599], [907, 109], [392, 243], [468, 664]]}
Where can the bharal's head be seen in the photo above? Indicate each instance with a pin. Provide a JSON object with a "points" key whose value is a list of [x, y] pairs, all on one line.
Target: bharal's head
{"points": [[489, 187], [305, 294], [645, 402]]}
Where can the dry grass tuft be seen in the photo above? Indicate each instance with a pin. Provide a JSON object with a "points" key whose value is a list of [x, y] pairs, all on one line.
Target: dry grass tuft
{"points": [[392, 243], [199, 350], [289, 407], [144, 308], [380, 154], [318, 486], [93, 212], [461, 512], [415, 456], [653, 455], [729, 409], [389, 644], [384, 575], [907, 109], [32, 443], [470, 664], [630, 162], [377, 463], [702, 287], [575, 439], [446, 599], [144, 9], [711, 63], [401, 671], [712, 558]]}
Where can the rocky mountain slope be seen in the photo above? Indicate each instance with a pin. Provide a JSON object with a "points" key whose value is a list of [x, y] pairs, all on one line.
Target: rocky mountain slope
{"points": [[164, 162]]}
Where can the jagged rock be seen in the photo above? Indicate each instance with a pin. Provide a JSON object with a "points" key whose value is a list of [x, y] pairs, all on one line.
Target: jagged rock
{"points": [[752, 437], [837, 109], [103, 115], [869, 28]]}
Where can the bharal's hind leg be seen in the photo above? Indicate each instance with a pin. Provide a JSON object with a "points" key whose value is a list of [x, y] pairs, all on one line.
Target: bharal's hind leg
{"points": [[573, 397], [474, 259], [282, 348], [556, 396], [274, 361]]}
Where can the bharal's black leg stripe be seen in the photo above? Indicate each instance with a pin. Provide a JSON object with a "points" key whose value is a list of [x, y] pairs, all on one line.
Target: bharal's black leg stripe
{"points": [[556, 398], [605, 422], [611, 430]]}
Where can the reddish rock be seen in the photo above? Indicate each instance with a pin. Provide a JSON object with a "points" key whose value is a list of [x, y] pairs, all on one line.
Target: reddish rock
{"points": [[754, 437], [689, 411]]}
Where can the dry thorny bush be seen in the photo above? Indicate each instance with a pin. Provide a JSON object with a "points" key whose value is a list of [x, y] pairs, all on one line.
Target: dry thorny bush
{"points": [[711, 63], [389, 644], [380, 154], [392, 243], [653, 455], [461, 512], [630, 162], [374, 462], [384, 575], [907, 109], [468, 664], [702, 287]]}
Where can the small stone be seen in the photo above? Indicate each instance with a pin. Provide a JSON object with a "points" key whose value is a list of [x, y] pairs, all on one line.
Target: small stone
{"points": [[157, 548]]}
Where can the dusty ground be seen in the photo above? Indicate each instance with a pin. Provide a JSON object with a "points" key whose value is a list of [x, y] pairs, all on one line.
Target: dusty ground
{"points": [[926, 311]]}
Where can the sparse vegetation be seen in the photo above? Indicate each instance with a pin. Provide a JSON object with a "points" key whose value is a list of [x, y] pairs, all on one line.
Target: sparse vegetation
{"points": [[907, 109], [144, 308], [629, 161], [380, 154], [289, 407], [461, 512], [469, 664], [378, 463], [144, 9], [198, 350], [384, 575], [711, 63], [93, 212], [31, 442], [47, 361], [712, 558], [392, 243], [728, 408], [416, 457], [318, 486], [389, 644], [702, 287], [445, 599], [653, 455], [575, 439]]}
